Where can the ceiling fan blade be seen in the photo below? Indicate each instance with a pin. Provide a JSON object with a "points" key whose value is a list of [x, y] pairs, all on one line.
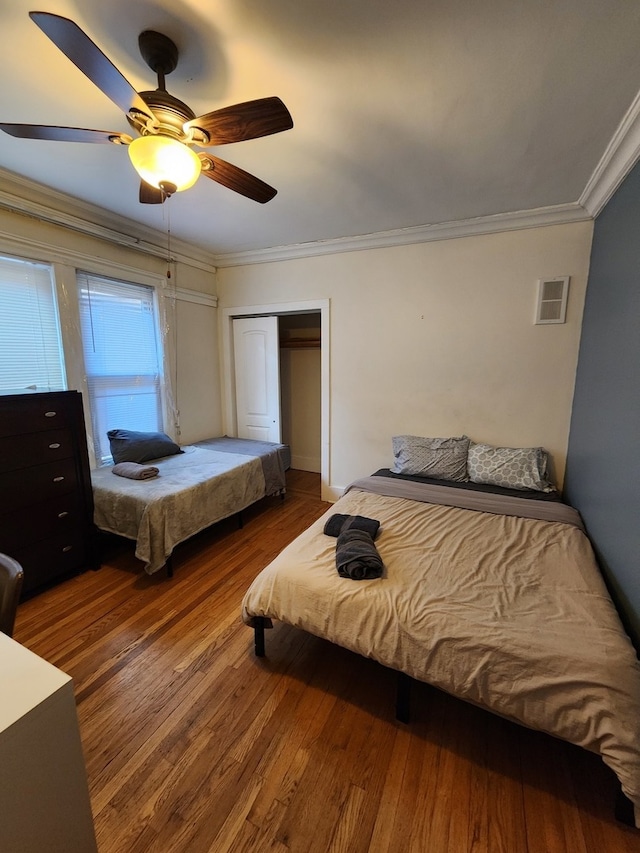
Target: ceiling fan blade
{"points": [[249, 120], [236, 179], [78, 47], [64, 134], [151, 195]]}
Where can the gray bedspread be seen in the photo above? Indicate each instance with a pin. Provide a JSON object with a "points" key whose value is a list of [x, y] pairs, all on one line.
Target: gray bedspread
{"points": [[274, 458], [192, 491]]}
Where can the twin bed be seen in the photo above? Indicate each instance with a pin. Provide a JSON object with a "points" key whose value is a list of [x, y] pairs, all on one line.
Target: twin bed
{"points": [[208, 481], [488, 593]]}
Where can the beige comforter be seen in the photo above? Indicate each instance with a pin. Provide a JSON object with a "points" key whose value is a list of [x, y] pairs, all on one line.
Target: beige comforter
{"points": [[193, 490], [506, 612]]}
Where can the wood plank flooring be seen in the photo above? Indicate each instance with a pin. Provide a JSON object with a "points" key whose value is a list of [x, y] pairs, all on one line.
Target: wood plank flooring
{"points": [[193, 744]]}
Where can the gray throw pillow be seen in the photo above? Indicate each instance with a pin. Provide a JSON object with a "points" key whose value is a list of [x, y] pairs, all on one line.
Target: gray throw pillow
{"points": [[130, 446], [438, 458]]}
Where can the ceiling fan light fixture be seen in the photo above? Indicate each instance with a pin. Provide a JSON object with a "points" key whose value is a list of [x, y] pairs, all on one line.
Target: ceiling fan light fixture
{"points": [[162, 121], [162, 160]]}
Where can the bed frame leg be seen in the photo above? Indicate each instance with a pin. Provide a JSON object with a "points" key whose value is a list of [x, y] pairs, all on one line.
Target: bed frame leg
{"points": [[240, 521], [258, 630], [169, 567], [403, 691], [624, 809]]}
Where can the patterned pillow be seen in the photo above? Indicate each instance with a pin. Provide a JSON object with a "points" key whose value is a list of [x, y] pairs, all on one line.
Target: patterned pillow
{"points": [[439, 458], [510, 467]]}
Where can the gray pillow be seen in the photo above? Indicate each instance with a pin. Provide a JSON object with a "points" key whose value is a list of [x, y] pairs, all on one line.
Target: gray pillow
{"points": [[439, 458], [130, 446], [510, 467]]}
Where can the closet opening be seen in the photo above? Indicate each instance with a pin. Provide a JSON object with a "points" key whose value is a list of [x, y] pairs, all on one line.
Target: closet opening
{"points": [[292, 398]]}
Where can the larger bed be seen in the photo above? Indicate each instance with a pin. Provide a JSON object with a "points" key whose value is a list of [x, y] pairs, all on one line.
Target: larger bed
{"points": [[209, 481], [492, 597]]}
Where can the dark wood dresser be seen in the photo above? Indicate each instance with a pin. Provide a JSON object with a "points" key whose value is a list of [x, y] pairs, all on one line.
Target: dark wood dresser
{"points": [[46, 500]]}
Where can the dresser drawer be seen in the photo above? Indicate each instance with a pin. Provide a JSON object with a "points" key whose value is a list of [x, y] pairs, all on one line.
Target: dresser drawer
{"points": [[31, 485], [22, 451], [45, 560], [62, 514], [34, 414]]}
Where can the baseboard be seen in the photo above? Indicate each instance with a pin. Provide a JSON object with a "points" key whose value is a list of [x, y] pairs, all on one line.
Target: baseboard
{"points": [[331, 493], [306, 463]]}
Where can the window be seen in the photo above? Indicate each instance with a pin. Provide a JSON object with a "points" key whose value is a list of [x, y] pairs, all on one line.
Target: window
{"points": [[122, 358], [30, 347]]}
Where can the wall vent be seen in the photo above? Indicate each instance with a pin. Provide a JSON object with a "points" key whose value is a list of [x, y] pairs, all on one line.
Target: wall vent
{"points": [[552, 300]]}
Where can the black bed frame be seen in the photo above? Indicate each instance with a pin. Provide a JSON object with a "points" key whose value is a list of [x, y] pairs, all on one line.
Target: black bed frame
{"points": [[623, 808], [403, 684]]}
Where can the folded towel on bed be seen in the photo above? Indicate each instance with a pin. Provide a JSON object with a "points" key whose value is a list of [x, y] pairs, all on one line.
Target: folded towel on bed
{"points": [[357, 557], [339, 522], [135, 471]]}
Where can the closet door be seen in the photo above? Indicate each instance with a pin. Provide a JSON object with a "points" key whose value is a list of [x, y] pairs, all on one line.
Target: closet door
{"points": [[256, 353]]}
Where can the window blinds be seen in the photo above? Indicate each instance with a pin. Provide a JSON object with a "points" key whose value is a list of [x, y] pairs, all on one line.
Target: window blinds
{"points": [[121, 355], [30, 347]]}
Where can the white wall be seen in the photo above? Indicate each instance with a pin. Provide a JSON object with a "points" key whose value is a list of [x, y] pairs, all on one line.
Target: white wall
{"points": [[190, 333], [198, 387], [437, 339]]}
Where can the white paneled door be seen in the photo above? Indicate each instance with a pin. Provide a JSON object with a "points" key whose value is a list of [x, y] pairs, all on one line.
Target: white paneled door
{"points": [[256, 353]]}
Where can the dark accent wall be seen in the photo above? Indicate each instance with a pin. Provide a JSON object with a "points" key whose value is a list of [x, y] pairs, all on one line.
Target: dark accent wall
{"points": [[603, 463]]}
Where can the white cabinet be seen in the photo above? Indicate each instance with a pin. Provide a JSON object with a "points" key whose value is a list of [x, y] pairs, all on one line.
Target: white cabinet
{"points": [[44, 796]]}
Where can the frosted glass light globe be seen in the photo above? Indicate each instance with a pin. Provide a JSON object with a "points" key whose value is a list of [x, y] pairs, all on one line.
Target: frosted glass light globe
{"points": [[161, 159]]}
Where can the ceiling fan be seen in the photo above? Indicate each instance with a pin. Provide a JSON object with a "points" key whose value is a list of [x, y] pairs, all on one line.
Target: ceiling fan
{"points": [[167, 129]]}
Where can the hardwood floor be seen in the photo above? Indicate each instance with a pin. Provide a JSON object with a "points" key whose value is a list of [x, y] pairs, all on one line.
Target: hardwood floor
{"points": [[194, 744]]}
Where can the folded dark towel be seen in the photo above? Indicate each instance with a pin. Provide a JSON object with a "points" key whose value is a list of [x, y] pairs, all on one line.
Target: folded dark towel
{"points": [[357, 557], [337, 523], [135, 471]]}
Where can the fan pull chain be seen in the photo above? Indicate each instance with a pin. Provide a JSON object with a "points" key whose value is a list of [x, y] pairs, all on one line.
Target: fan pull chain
{"points": [[168, 237]]}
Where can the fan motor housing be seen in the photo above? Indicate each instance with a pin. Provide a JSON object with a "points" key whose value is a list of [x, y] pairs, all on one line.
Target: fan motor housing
{"points": [[161, 55], [170, 112]]}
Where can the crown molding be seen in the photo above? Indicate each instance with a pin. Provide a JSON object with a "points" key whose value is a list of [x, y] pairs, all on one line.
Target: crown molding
{"points": [[195, 296], [539, 217], [16, 191], [23, 196], [620, 156]]}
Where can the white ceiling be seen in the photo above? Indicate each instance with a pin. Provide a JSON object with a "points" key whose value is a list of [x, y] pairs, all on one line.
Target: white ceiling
{"points": [[406, 112]]}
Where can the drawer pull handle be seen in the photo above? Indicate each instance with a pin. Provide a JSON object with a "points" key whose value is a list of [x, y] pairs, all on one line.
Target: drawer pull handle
{"points": [[54, 446], [50, 414], [58, 479], [67, 548], [63, 514]]}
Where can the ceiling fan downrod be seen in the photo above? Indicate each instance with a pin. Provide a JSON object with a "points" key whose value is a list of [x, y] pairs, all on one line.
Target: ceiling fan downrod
{"points": [[159, 52]]}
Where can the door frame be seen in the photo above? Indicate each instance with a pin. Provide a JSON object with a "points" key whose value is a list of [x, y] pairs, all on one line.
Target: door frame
{"points": [[229, 421]]}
